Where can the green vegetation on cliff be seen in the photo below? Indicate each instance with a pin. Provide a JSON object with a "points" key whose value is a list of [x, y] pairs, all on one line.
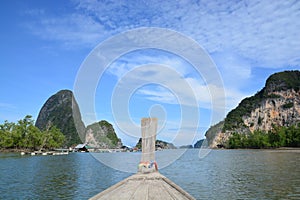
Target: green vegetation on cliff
{"points": [[277, 82], [278, 137], [283, 81], [61, 110], [104, 134], [110, 132], [24, 135], [234, 119]]}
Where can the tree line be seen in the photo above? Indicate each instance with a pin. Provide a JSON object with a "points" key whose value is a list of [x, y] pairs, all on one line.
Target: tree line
{"points": [[277, 137], [25, 135]]}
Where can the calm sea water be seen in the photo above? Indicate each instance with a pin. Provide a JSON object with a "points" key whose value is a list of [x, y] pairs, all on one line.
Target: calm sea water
{"points": [[222, 174]]}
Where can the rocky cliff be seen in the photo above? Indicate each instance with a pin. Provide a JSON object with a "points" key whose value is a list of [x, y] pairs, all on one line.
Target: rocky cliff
{"points": [[58, 111], [277, 104], [61, 110], [102, 135]]}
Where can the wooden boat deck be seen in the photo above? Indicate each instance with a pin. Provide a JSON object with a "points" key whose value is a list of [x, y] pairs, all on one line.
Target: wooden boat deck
{"points": [[140, 186]]}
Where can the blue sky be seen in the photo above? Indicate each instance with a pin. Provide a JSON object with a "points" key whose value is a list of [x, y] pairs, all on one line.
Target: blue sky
{"points": [[44, 45]]}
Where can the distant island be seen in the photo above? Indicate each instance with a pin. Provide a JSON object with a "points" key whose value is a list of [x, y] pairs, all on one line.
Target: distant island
{"points": [[189, 146], [159, 144]]}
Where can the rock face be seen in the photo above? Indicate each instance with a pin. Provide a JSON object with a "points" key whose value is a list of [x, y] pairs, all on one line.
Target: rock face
{"points": [[277, 104], [281, 111], [102, 135], [215, 136], [58, 111]]}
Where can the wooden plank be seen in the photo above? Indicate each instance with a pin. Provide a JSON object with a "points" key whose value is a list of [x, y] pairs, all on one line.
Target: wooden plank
{"points": [[176, 191], [149, 128], [143, 187], [142, 191], [123, 188], [157, 191], [174, 194]]}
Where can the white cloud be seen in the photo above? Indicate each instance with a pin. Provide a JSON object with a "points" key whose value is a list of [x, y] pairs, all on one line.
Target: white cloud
{"points": [[75, 30], [264, 31], [257, 29], [201, 92], [7, 106], [234, 69], [158, 94], [171, 88], [211, 97], [206, 95], [130, 61]]}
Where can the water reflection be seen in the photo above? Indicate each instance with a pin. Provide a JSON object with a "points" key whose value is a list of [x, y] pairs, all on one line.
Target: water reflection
{"points": [[225, 174], [238, 174]]}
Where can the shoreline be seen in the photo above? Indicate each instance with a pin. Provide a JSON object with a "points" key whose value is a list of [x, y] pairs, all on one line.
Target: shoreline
{"points": [[271, 149], [279, 149], [19, 150]]}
